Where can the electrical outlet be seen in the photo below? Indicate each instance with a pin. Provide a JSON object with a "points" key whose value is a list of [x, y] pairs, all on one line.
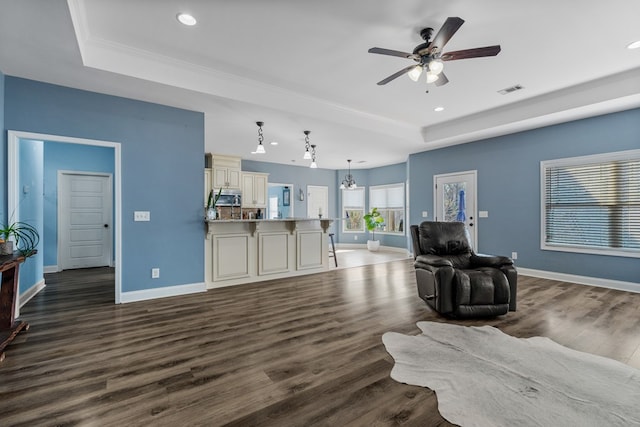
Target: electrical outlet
{"points": [[514, 255], [355, 237], [155, 273]]}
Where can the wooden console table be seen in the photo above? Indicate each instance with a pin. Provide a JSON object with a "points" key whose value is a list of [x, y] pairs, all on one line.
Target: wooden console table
{"points": [[9, 328]]}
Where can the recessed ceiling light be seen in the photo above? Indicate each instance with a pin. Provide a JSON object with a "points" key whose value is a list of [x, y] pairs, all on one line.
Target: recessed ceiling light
{"points": [[186, 19], [438, 109], [274, 143], [634, 45]]}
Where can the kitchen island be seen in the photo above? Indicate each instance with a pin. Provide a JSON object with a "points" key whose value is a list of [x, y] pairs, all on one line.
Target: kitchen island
{"points": [[252, 250]]}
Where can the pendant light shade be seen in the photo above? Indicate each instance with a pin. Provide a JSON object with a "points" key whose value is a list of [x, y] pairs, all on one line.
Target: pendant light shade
{"points": [[313, 164], [307, 153], [260, 148]]}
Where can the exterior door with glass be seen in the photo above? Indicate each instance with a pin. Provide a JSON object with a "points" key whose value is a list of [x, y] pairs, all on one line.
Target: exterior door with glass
{"points": [[455, 200]]}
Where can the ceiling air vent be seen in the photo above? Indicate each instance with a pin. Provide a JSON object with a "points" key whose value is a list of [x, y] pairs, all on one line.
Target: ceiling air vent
{"points": [[510, 89]]}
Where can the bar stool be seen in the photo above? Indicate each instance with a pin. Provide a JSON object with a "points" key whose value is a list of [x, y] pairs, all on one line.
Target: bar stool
{"points": [[332, 252]]}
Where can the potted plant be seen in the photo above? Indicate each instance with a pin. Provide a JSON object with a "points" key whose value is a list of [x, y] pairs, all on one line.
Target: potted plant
{"points": [[373, 220], [211, 204], [26, 238]]}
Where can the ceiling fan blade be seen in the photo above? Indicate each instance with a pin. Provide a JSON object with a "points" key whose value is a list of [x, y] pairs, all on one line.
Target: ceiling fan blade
{"points": [[451, 25], [396, 75], [471, 53], [442, 80], [391, 52]]}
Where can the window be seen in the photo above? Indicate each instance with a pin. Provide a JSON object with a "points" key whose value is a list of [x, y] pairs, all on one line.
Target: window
{"points": [[591, 204], [389, 199], [353, 207]]}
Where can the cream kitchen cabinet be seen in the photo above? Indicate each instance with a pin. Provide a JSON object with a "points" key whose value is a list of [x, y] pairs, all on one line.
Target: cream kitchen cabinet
{"points": [[226, 171], [254, 190]]}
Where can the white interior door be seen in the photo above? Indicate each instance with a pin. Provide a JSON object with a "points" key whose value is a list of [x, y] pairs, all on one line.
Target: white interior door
{"points": [[84, 220], [455, 200], [317, 201]]}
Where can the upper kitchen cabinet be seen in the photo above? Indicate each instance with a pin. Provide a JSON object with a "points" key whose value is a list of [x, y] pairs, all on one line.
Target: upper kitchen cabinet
{"points": [[225, 171], [254, 189]]}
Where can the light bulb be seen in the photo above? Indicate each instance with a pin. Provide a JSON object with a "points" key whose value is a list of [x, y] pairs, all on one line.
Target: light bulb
{"points": [[186, 19], [415, 72], [436, 66], [431, 77]]}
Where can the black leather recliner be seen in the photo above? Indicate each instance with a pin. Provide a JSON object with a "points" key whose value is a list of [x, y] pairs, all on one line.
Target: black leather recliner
{"points": [[454, 280]]}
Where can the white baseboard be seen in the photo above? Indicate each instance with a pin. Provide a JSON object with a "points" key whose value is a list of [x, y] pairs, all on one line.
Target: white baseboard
{"points": [[364, 246], [581, 280], [168, 291], [26, 296], [50, 269]]}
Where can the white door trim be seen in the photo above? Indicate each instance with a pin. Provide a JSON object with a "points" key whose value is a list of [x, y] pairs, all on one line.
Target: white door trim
{"points": [[473, 213], [13, 139]]}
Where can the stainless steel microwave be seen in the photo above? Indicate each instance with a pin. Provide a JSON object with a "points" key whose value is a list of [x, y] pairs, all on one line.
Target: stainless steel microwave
{"points": [[230, 198]]}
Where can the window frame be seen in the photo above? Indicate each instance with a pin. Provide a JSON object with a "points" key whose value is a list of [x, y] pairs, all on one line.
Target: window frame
{"points": [[343, 208], [602, 158], [402, 209]]}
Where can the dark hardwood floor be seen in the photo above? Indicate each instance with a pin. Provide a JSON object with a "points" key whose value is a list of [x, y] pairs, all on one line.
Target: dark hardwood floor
{"points": [[304, 351]]}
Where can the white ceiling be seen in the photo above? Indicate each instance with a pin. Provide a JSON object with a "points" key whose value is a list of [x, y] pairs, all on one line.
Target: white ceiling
{"points": [[299, 65]]}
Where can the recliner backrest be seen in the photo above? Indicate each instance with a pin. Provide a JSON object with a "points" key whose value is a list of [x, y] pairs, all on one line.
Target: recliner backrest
{"points": [[442, 239]]}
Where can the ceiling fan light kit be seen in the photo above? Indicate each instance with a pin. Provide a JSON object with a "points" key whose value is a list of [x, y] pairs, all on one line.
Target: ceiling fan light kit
{"points": [[429, 55]]}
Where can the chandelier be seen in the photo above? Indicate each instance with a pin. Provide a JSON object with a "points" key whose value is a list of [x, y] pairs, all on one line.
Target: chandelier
{"points": [[348, 182], [260, 148]]}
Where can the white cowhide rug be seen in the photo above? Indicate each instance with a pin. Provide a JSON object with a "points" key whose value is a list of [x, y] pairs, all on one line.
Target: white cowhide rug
{"points": [[483, 377]]}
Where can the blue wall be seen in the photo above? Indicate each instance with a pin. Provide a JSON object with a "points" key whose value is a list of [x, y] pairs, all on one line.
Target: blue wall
{"points": [[30, 181], [162, 150], [3, 141], [69, 157], [509, 188]]}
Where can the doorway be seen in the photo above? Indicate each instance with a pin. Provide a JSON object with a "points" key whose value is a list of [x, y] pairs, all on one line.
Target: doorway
{"points": [[84, 220], [280, 201], [317, 201], [16, 138], [455, 200]]}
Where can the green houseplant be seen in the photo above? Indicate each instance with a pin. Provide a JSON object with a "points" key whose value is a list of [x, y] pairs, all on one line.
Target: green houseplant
{"points": [[373, 220], [211, 204], [26, 238]]}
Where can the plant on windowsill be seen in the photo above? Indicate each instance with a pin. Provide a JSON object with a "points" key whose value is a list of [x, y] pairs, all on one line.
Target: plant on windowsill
{"points": [[211, 211], [373, 220], [26, 238]]}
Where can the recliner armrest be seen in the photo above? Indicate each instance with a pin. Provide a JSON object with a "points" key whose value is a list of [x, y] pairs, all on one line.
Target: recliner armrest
{"points": [[433, 261], [497, 261]]}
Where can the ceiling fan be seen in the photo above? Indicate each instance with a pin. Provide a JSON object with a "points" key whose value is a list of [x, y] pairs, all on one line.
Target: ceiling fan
{"points": [[429, 55]]}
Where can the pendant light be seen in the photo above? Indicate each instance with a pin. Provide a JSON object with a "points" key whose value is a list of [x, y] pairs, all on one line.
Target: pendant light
{"points": [[260, 148], [307, 153], [313, 164], [348, 183]]}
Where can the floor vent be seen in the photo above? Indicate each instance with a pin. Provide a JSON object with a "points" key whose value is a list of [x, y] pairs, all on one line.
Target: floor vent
{"points": [[510, 89]]}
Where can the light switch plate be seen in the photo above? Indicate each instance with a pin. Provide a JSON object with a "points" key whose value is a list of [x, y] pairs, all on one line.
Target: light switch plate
{"points": [[425, 214], [483, 214], [142, 216]]}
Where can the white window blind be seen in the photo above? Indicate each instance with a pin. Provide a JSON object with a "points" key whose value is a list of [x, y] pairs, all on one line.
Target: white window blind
{"points": [[391, 196], [593, 204], [353, 198]]}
